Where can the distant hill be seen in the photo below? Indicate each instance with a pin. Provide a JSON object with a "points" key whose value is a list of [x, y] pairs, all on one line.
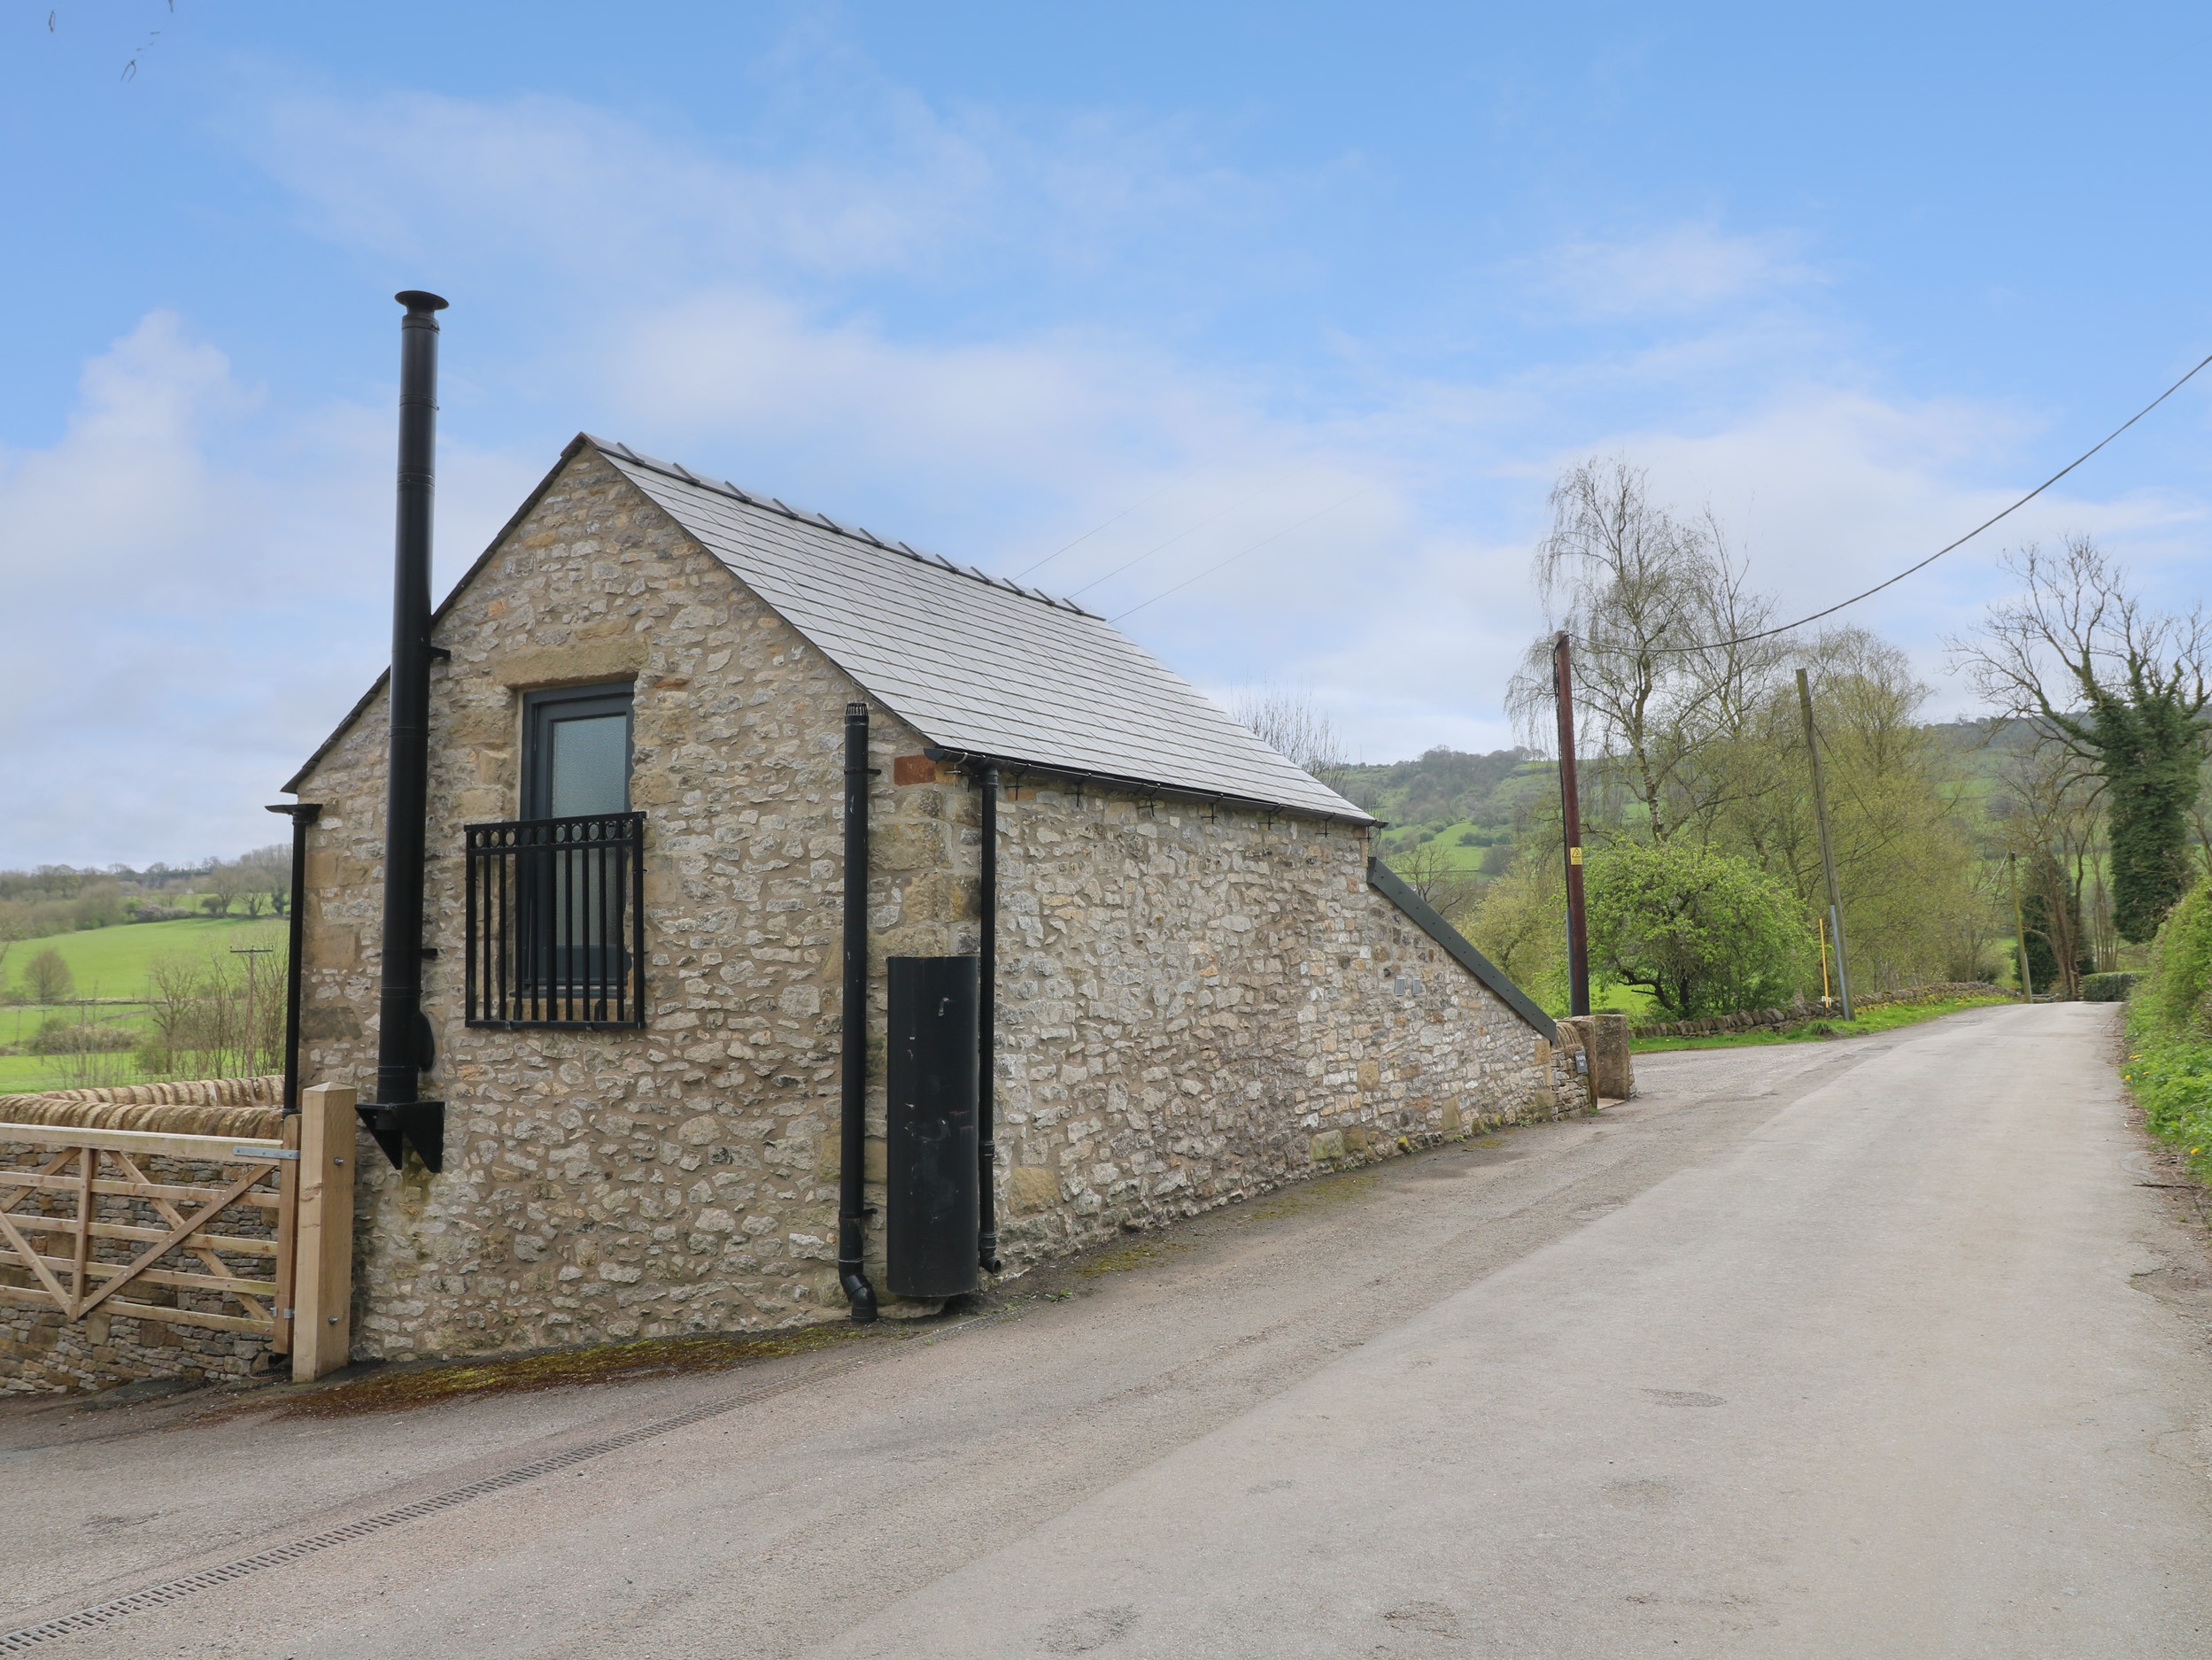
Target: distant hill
{"points": [[1467, 799], [1471, 803]]}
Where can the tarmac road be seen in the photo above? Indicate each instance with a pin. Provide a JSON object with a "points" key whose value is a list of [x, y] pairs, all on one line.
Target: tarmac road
{"points": [[1878, 1348]]}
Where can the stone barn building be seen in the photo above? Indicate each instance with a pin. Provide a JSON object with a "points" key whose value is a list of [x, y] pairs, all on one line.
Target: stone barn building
{"points": [[1207, 986]]}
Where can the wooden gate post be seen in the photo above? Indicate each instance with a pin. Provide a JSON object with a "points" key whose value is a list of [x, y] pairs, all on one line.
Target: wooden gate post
{"points": [[322, 1329]]}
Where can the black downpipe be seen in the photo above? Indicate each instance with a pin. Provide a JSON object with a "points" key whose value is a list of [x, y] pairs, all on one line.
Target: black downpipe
{"points": [[851, 1218], [398, 1114], [302, 815], [987, 1029]]}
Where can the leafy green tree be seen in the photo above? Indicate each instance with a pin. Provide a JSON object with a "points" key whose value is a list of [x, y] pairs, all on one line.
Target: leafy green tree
{"points": [[1704, 932], [2122, 686]]}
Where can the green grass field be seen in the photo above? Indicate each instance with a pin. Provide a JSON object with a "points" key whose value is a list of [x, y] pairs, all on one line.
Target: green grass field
{"points": [[109, 964], [112, 962]]}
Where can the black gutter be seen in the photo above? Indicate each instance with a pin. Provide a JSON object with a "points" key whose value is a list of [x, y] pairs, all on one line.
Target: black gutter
{"points": [[988, 1027], [302, 815], [852, 1124], [399, 1116], [1392, 888], [1122, 782]]}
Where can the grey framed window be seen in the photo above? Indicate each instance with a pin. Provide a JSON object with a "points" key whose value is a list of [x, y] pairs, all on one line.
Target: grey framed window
{"points": [[575, 752]]}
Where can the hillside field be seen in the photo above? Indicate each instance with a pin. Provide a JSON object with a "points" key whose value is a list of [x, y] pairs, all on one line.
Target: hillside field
{"points": [[112, 962]]}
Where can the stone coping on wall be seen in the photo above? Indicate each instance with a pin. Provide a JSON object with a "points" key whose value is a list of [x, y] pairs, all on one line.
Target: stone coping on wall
{"points": [[247, 1106], [1757, 1019], [1395, 888]]}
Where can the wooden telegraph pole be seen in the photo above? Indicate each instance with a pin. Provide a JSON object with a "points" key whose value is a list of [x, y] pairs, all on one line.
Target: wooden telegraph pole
{"points": [[1827, 849], [1570, 812], [2020, 928]]}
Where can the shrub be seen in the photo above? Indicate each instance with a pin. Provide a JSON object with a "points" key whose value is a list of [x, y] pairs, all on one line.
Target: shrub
{"points": [[59, 1036], [2106, 988], [1704, 932]]}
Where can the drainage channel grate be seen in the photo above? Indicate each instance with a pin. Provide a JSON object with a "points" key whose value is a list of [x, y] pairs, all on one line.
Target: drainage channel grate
{"points": [[176, 1590]]}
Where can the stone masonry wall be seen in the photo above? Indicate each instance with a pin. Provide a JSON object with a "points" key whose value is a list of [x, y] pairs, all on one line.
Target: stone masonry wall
{"points": [[611, 1184], [1196, 1008], [41, 1350], [1192, 1008]]}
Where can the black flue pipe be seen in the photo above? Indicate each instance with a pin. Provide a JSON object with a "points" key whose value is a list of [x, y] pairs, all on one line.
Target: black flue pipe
{"points": [[302, 815], [400, 1055], [851, 1217], [988, 1028]]}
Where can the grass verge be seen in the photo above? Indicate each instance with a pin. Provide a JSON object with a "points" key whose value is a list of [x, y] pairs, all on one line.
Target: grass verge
{"points": [[2171, 1079], [1882, 1017]]}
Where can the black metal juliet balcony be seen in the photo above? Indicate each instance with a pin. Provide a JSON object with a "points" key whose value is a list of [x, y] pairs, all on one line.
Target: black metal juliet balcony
{"points": [[556, 922]]}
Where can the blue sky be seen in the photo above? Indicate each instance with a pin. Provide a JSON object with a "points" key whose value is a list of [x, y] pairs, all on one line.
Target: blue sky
{"points": [[1359, 279]]}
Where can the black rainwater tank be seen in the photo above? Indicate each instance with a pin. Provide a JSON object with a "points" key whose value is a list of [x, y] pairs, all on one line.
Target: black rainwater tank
{"points": [[932, 1220]]}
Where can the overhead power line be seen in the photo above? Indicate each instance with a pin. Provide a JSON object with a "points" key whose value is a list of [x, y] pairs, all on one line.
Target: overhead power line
{"points": [[1093, 531], [1768, 634], [1241, 502], [1241, 553]]}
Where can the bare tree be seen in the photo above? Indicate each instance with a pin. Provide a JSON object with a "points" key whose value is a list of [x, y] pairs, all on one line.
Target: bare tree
{"points": [[1657, 606], [268, 874], [2123, 687], [1290, 721], [46, 977], [226, 884], [1429, 870]]}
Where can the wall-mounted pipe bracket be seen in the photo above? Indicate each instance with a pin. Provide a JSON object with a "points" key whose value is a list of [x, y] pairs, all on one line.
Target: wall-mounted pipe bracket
{"points": [[397, 1126]]}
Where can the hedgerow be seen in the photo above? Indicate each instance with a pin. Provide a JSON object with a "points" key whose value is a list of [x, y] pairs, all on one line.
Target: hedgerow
{"points": [[2169, 1031]]}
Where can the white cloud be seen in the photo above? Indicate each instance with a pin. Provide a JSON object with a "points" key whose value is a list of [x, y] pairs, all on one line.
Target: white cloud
{"points": [[201, 581], [835, 177], [193, 602], [1676, 271]]}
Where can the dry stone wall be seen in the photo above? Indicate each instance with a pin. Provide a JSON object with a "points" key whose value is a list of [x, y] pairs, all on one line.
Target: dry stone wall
{"points": [[42, 1351], [1801, 1011], [1193, 1007]]}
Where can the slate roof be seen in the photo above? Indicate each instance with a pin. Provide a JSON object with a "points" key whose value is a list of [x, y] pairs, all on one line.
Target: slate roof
{"points": [[975, 664]]}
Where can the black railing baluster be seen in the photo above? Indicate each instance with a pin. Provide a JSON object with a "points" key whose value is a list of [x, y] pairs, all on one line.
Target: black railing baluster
{"points": [[600, 886], [469, 925], [554, 910]]}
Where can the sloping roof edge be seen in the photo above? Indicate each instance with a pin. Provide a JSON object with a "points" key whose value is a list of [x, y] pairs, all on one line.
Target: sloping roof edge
{"points": [[623, 452], [1128, 784], [1388, 882], [567, 453]]}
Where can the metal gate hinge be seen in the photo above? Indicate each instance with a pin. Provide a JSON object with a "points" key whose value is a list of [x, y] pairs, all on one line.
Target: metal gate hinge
{"points": [[266, 1153]]}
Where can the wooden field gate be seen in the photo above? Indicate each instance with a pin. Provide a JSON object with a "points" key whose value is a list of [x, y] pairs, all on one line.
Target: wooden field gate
{"points": [[263, 1245]]}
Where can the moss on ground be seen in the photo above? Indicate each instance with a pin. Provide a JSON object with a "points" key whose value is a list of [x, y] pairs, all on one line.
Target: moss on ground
{"points": [[1128, 1256], [399, 1388]]}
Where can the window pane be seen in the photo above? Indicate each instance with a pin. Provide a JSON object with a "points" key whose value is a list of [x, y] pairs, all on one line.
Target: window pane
{"points": [[591, 766]]}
